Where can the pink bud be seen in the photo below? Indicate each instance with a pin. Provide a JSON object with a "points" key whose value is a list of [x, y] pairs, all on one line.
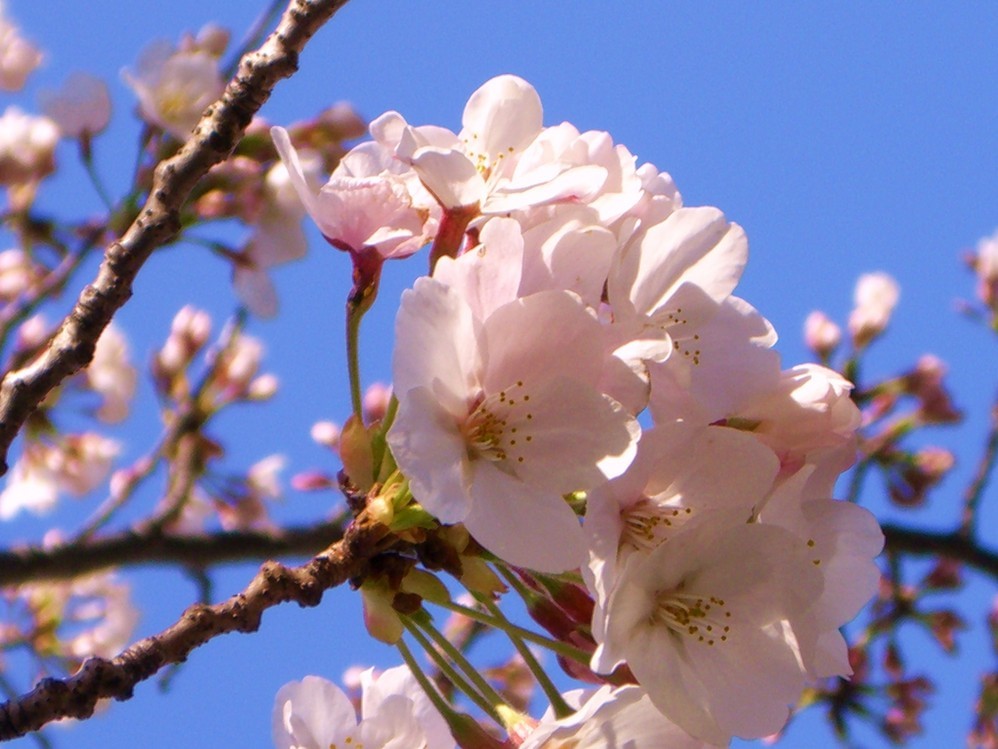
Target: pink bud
{"points": [[821, 334]]}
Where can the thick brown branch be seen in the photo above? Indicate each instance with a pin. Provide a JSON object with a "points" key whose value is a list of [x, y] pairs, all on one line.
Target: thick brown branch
{"points": [[28, 565], [216, 135], [949, 545], [100, 678]]}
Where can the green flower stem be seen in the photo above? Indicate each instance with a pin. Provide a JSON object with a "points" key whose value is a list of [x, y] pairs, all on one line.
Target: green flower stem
{"points": [[561, 648], [366, 276], [481, 699], [558, 704], [441, 704]]}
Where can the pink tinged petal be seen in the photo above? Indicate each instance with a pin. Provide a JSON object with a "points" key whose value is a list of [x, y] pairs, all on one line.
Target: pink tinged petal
{"points": [[436, 345], [288, 154], [255, 289], [576, 184], [695, 246], [846, 539], [831, 656], [450, 176], [502, 117], [686, 470], [431, 451], [387, 129], [523, 525], [488, 275], [400, 681], [562, 435], [570, 252], [393, 727], [311, 714], [545, 335]]}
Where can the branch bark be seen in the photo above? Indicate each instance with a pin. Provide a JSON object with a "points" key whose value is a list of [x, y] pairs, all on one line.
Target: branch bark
{"points": [[213, 139], [76, 696], [954, 546], [34, 564]]}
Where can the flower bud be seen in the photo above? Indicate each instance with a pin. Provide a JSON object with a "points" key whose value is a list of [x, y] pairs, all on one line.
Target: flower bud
{"points": [[875, 297], [821, 335]]}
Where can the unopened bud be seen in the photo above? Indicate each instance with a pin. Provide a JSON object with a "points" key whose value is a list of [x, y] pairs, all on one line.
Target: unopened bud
{"points": [[821, 335], [875, 297], [263, 387], [326, 433]]}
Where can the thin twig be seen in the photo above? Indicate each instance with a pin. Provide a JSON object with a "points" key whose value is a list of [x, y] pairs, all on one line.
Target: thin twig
{"points": [[36, 564], [975, 490], [213, 139], [953, 546], [76, 696]]}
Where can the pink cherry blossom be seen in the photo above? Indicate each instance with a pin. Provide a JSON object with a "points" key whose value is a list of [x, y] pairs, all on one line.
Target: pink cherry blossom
{"points": [[395, 714], [610, 717], [499, 418], [705, 623]]}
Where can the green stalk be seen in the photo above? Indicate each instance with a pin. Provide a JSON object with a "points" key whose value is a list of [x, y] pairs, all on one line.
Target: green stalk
{"points": [[561, 648], [462, 684], [558, 704]]}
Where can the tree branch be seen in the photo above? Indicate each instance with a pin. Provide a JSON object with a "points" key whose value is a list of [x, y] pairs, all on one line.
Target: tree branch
{"points": [[154, 546], [76, 696], [949, 545], [214, 138]]}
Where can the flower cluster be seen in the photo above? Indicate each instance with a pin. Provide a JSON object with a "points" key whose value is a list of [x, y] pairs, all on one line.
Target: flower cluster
{"points": [[579, 388]]}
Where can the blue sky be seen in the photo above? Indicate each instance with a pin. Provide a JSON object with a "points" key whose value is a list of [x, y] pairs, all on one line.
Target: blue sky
{"points": [[844, 137]]}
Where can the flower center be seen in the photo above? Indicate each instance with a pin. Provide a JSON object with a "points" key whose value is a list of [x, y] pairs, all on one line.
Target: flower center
{"points": [[499, 428], [702, 619], [648, 524]]}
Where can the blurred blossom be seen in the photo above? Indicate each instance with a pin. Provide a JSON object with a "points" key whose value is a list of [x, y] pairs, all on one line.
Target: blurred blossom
{"points": [[875, 297], [18, 57], [27, 153], [277, 237], [112, 375], [263, 476], [925, 382], [821, 334], [189, 331], [76, 465], [326, 433], [240, 362], [33, 332], [375, 403], [81, 106], [174, 86], [17, 273], [986, 266], [105, 608], [263, 387]]}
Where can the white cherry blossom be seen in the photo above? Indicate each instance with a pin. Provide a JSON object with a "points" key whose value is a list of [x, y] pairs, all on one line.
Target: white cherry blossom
{"points": [[499, 418]]}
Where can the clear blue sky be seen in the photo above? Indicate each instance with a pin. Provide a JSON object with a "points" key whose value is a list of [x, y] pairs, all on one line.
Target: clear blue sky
{"points": [[844, 137]]}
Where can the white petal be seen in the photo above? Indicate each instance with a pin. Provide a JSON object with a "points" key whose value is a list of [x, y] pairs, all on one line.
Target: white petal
{"points": [[430, 450], [523, 525], [436, 345]]}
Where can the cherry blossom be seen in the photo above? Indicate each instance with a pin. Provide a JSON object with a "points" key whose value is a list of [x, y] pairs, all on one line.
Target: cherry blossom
{"points": [[705, 623], [498, 418], [610, 717], [18, 56], [175, 85], [81, 107], [875, 297], [395, 714]]}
